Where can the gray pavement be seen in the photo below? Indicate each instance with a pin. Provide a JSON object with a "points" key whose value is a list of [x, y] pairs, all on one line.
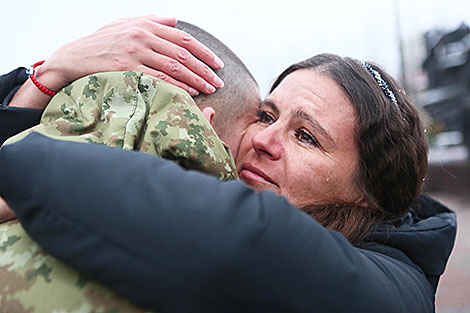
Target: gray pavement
{"points": [[451, 186], [453, 293]]}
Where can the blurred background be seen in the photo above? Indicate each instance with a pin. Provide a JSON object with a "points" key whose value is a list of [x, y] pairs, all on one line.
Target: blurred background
{"points": [[424, 43]]}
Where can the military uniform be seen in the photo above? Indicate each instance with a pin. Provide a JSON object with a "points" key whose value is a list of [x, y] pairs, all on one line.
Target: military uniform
{"points": [[127, 110], [33, 281], [136, 111]]}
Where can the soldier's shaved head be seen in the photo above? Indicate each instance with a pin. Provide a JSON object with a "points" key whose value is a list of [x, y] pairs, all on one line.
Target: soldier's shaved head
{"points": [[238, 98]]}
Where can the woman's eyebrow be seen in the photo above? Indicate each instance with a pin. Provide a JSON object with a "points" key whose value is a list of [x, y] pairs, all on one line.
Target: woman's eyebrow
{"points": [[270, 104], [299, 114]]}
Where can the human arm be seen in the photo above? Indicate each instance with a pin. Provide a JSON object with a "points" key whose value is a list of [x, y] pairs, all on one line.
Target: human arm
{"points": [[146, 44], [177, 240], [14, 120]]}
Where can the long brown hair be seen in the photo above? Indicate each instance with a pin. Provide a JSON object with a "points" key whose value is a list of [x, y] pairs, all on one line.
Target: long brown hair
{"points": [[391, 144]]}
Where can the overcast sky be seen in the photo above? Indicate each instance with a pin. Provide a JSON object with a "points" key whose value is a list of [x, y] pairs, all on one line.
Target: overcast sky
{"points": [[268, 37]]}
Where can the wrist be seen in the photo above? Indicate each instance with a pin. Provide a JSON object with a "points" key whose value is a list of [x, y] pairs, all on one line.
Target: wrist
{"points": [[31, 72], [33, 95], [29, 96], [50, 77]]}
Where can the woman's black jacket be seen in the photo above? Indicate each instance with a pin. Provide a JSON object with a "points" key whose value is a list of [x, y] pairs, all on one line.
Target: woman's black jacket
{"points": [[180, 241]]}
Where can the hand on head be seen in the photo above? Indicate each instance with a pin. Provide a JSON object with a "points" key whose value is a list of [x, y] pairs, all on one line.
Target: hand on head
{"points": [[148, 44]]}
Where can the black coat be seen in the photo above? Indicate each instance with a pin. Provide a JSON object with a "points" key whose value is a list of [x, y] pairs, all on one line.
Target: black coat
{"points": [[14, 120], [181, 241]]}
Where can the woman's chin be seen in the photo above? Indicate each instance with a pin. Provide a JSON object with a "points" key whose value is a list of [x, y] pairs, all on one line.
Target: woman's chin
{"points": [[260, 185]]}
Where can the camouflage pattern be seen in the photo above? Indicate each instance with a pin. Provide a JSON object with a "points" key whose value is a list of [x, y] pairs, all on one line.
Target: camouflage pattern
{"points": [[35, 282], [121, 109], [136, 111]]}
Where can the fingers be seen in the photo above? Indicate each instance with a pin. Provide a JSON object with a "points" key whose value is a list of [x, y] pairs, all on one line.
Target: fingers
{"points": [[167, 21], [178, 63], [168, 51], [188, 42], [149, 44], [163, 76]]}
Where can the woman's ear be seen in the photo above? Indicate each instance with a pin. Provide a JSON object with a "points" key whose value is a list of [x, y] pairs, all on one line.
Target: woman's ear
{"points": [[209, 114], [364, 203], [361, 200]]}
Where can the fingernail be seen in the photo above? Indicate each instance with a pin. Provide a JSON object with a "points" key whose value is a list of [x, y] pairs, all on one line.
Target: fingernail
{"points": [[210, 88], [218, 62], [193, 92], [219, 83]]}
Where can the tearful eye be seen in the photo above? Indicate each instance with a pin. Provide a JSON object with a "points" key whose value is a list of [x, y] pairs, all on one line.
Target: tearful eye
{"points": [[265, 117], [306, 137]]}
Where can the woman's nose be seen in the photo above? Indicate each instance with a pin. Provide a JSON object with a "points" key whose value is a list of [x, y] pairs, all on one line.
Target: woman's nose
{"points": [[268, 143]]}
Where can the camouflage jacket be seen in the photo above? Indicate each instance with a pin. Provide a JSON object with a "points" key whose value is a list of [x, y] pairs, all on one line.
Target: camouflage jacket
{"points": [[128, 110], [136, 111]]}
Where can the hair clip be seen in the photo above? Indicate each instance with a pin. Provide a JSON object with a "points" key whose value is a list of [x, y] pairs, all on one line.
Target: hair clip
{"points": [[381, 82]]}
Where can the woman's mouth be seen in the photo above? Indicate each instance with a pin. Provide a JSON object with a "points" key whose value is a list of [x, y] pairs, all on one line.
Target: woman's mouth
{"points": [[255, 176]]}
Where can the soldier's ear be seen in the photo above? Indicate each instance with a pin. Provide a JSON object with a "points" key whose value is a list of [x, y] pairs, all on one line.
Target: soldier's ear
{"points": [[5, 212], [209, 114]]}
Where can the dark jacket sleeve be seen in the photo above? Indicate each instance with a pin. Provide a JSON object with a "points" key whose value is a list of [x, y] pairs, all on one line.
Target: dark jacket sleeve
{"points": [[14, 120], [181, 241]]}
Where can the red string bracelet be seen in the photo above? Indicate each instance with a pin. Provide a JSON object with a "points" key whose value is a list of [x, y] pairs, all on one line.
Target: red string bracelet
{"points": [[31, 71]]}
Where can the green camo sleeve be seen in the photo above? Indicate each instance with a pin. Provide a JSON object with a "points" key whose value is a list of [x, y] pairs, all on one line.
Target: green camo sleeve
{"points": [[128, 110], [136, 111], [35, 282]]}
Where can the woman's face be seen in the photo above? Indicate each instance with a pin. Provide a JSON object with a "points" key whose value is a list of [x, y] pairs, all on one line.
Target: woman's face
{"points": [[303, 145]]}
